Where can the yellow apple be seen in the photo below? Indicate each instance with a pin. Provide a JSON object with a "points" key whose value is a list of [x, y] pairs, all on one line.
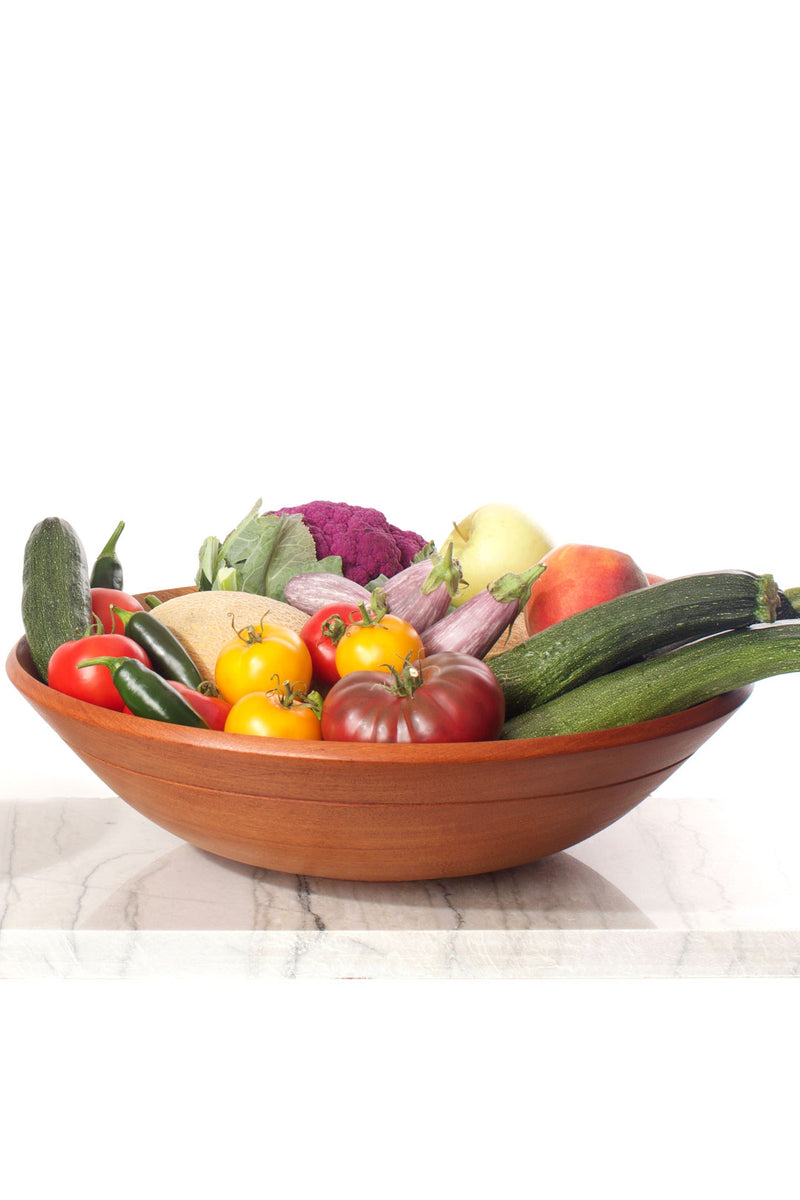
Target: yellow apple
{"points": [[491, 541]]}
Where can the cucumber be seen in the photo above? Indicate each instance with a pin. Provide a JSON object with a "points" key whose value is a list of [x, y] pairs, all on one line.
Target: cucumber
{"points": [[667, 683], [619, 631], [56, 596]]}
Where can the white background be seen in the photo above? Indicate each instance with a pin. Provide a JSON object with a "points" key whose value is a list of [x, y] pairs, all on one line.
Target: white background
{"points": [[417, 256]]}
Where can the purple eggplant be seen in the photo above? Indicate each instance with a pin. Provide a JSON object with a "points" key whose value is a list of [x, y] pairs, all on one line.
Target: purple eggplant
{"points": [[421, 593], [312, 591], [474, 627]]}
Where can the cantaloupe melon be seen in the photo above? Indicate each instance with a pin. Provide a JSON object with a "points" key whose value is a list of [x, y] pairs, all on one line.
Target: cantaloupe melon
{"points": [[204, 622]]}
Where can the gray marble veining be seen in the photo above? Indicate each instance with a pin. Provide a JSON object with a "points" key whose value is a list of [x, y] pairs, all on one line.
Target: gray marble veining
{"points": [[89, 888]]}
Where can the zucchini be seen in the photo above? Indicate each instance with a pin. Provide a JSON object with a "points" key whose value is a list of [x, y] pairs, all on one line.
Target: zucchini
{"points": [[667, 683], [789, 604], [56, 596], [619, 631]]}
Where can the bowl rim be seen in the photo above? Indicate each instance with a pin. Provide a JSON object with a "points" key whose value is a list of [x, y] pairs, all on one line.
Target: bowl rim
{"points": [[20, 671]]}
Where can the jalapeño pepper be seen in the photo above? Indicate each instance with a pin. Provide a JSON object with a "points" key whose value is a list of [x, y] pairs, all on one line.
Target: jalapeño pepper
{"points": [[107, 570], [166, 653], [146, 693]]}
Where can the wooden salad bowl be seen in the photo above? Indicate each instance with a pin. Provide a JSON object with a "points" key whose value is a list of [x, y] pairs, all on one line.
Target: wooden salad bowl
{"points": [[370, 812]]}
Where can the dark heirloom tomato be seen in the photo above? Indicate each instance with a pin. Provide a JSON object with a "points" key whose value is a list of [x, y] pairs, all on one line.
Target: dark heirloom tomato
{"points": [[446, 697]]}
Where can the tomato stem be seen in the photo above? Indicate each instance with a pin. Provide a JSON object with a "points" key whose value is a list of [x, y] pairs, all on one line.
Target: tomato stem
{"points": [[406, 681], [250, 634], [335, 628], [377, 610], [290, 695]]}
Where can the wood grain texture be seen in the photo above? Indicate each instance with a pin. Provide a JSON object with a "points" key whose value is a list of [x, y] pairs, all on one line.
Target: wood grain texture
{"points": [[373, 812]]}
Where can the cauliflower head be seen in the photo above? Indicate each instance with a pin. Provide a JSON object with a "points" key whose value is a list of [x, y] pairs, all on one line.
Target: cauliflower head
{"points": [[368, 544]]}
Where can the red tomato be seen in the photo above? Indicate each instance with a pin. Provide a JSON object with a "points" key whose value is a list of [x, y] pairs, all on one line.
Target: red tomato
{"points": [[103, 598], [321, 648], [213, 709], [576, 578], [445, 697], [93, 684]]}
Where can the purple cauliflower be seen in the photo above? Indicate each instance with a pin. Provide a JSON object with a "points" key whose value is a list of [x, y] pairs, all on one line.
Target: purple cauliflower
{"points": [[367, 544]]}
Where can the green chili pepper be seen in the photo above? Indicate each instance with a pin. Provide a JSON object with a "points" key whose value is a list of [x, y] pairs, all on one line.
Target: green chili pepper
{"points": [[107, 570], [146, 693], [166, 653]]}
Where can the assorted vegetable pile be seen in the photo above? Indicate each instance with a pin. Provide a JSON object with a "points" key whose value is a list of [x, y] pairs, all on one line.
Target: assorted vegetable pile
{"points": [[265, 550], [325, 621]]}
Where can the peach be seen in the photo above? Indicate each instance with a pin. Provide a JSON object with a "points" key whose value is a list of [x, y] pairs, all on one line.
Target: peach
{"points": [[576, 578]]}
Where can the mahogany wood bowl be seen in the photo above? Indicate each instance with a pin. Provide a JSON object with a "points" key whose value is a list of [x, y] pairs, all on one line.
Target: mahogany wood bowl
{"points": [[369, 812]]}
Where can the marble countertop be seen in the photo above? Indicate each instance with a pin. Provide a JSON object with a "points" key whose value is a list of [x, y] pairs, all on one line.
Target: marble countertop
{"points": [[701, 880]]}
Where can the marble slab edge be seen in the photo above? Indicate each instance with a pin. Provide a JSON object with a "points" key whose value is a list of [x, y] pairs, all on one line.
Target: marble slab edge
{"points": [[423, 955]]}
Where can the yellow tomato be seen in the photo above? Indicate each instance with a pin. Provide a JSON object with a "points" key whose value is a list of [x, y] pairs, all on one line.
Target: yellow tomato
{"points": [[260, 657], [378, 646], [268, 714]]}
